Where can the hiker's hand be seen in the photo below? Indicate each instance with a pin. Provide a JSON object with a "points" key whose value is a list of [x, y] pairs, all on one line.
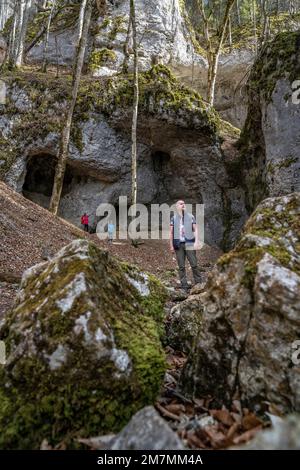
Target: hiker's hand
{"points": [[197, 246], [172, 249]]}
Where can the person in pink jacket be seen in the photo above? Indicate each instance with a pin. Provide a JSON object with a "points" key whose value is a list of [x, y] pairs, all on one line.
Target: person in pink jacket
{"points": [[85, 222]]}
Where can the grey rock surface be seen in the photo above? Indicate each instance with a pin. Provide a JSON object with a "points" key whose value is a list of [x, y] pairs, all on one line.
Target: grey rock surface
{"points": [[250, 315], [147, 431]]}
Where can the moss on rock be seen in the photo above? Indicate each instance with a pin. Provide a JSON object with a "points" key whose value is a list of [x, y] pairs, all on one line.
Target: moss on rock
{"points": [[83, 350], [100, 57]]}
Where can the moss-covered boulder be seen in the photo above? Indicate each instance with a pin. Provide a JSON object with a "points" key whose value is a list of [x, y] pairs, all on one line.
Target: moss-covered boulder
{"points": [[83, 349], [250, 315]]}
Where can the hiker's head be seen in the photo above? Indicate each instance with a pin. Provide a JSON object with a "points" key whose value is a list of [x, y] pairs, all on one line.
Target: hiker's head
{"points": [[180, 206]]}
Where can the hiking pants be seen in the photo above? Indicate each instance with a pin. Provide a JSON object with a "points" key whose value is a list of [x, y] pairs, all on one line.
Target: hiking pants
{"points": [[181, 255]]}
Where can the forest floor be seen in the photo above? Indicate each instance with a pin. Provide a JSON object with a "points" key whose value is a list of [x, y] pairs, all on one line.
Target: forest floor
{"points": [[29, 234]]}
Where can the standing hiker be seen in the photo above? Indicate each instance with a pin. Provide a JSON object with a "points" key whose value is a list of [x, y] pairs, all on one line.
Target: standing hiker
{"points": [[111, 231], [85, 222], [183, 239]]}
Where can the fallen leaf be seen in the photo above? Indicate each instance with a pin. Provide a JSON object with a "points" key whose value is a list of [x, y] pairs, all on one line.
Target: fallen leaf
{"points": [[251, 421], [246, 436], [175, 408], [223, 416]]}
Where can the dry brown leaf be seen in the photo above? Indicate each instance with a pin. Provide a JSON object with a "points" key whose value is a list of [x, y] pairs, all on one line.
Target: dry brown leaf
{"points": [[251, 421], [216, 437], [246, 436], [176, 408], [194, 441], [237, 417], [223, 416], [232, 430], [166, 413]]}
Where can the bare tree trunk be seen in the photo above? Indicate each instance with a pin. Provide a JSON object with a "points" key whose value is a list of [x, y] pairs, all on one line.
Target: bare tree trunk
{"points": [[135, 107], [214, 56], [229, 32], [126, 47], [65, 136], [44, 66], [253, 5], [81, 19], [21, 32], [12, 38], [266, 22], [238, 13]]}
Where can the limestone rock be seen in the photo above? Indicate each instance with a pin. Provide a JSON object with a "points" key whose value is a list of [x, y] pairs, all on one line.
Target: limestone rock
{"points": [[183, 324], [165, 37], [250, 315], [83, 349], [147, 431], [270, 156]]}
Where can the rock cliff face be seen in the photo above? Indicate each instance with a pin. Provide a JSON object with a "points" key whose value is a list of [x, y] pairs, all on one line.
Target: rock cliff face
{"points": [[163, 32], [179, 153], [270, 140], [79, 358], [249, 315]]}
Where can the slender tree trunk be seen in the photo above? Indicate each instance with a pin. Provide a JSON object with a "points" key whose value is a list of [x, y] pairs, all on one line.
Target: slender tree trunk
{"points": [[81, 19], [44, 66], [253, 5], [229, 32], [214, 59], [22, 28], [266, 22], [12, 38], [238, 13], [126, 47], [65, 136], [135, 107]]}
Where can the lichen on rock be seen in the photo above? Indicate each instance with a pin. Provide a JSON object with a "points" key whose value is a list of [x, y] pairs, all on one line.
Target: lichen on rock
{"points": [[83, 350]]}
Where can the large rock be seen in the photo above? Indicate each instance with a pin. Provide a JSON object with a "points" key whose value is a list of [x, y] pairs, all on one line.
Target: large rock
{"points": [[164, 34], [270, 154], [250, 315], [179, 147], [83, 349], [147, 431], [183, 323], [284, 435]]}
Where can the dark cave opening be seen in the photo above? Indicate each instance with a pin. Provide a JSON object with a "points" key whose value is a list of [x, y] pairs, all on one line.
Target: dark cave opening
{"points": [[39, 178], [160, 160]]}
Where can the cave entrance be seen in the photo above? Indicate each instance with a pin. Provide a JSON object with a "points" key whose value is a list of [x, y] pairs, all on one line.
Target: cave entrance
{"points": [[162, 170], [160, 160], [39, 179]]}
